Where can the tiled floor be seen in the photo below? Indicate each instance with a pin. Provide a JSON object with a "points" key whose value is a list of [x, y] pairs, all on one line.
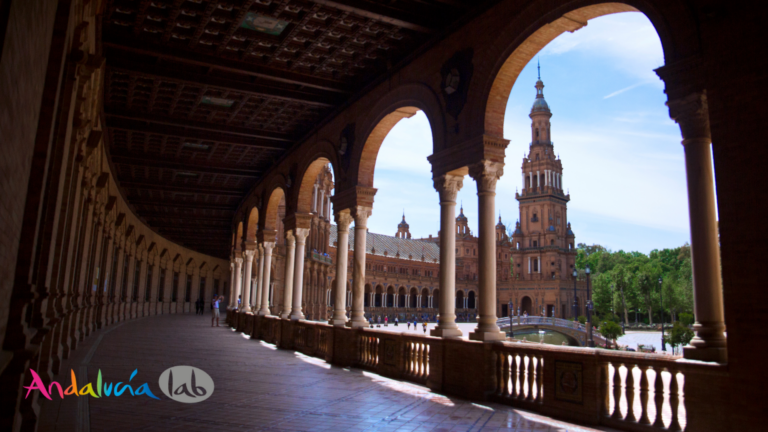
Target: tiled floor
{"points": [[258, 387]]}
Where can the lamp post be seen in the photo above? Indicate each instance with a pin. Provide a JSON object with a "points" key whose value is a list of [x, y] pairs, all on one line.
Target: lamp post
{"points": [[575, 298], [661, 293], [612, 312], [590, 341]]}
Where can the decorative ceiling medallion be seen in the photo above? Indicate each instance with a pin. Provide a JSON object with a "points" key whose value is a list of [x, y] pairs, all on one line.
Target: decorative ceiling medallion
{"points": [[263, 24], [221, 102]]}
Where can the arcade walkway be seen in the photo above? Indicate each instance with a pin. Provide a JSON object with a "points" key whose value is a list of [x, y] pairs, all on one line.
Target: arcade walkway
{"points": [[257, 388]]}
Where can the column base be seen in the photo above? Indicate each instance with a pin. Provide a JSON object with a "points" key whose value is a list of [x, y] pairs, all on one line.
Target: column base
{"points": [[298, 317], [263, 312], [358, 324], [338, 322], [487, 336], [245, 310], [719, 355], [445, 333], [285, 315]]}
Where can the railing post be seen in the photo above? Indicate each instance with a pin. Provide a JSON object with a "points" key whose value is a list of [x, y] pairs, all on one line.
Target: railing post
{"points": [[658, 397], [674, 401], [630, 393], [617, 391], [644, 395]]}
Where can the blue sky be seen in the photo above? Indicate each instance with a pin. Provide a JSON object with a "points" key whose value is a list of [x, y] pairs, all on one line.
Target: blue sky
{"points": [[622, 157]]}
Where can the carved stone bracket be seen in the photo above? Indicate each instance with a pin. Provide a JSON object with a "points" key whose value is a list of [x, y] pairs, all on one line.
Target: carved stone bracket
{"points": [[353, 197]]}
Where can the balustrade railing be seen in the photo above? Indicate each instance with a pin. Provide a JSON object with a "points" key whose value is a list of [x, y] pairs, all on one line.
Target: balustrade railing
{"points": [[622, 390]]}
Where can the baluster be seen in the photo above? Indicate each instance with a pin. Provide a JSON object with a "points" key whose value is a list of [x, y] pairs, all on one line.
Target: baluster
{"points": [[529, 397], [427, 349], [674, 402], [424, 356], [513, 379], [505, 391], [412, 358], [658, 397], [498, 375], [644, 395], [418, 360], [617, 392], [539, 380], [606, 389], [630, 390]]}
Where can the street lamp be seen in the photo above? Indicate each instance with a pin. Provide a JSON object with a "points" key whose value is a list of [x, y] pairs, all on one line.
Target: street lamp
{"points": [[661, 292], [590, 342], [575, 298]]}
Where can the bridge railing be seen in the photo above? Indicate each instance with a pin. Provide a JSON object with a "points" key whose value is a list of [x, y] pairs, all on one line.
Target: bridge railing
{"points": [[537, 320], [623, 390]]}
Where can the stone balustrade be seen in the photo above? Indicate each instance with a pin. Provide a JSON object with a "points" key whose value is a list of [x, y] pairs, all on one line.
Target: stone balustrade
{"points": [[623, 390]]}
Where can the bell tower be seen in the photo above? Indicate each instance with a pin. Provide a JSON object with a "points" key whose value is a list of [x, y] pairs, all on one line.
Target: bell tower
{"points": [[543, 243], [403, 229]]}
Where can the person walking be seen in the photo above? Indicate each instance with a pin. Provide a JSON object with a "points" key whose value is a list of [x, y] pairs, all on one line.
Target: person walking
{"points": [[424, 324], [409, 324], [215, 310], [386, 321], [396, 321]]}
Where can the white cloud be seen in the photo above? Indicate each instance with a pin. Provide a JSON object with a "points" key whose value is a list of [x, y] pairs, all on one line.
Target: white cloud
{"points": [[618, 92]]}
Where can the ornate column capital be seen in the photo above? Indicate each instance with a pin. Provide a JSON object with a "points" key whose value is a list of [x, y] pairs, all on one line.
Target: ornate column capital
{"points": [[267, 247], [248, 255], [301, 234], [361, 215], [691, 113], [448, 186], [486, 173], [290, 239], [239, 261], [343, 220]]}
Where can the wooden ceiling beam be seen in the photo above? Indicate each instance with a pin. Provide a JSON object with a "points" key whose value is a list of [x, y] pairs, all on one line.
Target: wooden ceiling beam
{"points": [[176, 204], [180, 188], [186, 132], [259, 90], [378, 12], [201, 166], [281, 140], [225, 64]]}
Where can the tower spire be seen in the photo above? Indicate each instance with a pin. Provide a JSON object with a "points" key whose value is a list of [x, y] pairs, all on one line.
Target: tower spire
{"points": [[538, 66]]}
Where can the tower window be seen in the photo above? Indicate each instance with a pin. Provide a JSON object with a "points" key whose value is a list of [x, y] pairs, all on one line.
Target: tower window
{"points": [[552, 242], [535, 243]]}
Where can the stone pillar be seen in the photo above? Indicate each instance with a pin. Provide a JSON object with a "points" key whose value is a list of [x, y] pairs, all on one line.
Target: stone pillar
{"points": [[448, 187], [266, 269], [320, 212], [709, 344], [236, 288], [290, 252], [298, 273], [232, 295], [314, 198], [259, 281], [361, 214], [339, 318], [248, 255], [486, 173]]}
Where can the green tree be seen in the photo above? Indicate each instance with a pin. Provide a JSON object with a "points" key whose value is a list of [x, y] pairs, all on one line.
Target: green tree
{"points": [[610, 330], [679, 335]]}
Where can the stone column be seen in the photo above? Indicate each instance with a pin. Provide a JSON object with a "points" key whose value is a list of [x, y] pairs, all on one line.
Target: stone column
{"points": [[361, 214], [259, 280], [486, 173], [236, 288], [298, 273], [232, 295], [448, 187], [709, 344], [248, 255], [343, 220], [290, 251], [266, 270]]}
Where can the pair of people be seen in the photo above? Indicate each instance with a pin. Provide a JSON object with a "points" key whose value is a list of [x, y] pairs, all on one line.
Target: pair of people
{"points": [[215, 309]]}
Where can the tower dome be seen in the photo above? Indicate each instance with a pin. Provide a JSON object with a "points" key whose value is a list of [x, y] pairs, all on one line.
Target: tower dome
{"points": [[403, 229], [539, 104]]}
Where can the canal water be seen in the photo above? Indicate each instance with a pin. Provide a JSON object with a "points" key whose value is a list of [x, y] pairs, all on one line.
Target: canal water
{"points": [[548, 337]]}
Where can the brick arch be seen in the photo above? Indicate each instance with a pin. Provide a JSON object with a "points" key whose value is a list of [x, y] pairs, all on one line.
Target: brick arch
{"points": [[237, 241], [276, 196], [506, 57], [401, 102], [307, 179], [252, 224]]}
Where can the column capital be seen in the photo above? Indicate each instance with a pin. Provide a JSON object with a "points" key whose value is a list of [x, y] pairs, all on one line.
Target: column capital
{"points": [[361, 215], [239, 261], [691, 113], [290, 238], [268, 247], [486, 173], [343, 220], [248, 254], [301, 234], [448, 186]]}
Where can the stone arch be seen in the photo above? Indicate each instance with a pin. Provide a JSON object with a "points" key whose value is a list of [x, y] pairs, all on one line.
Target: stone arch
{"points": [[390, 299], [377, 300], [513, 49], [412, 298], [401, 297]]}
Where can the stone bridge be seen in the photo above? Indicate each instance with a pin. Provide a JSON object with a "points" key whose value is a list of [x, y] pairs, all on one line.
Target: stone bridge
{"points": [[574, 331]]}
